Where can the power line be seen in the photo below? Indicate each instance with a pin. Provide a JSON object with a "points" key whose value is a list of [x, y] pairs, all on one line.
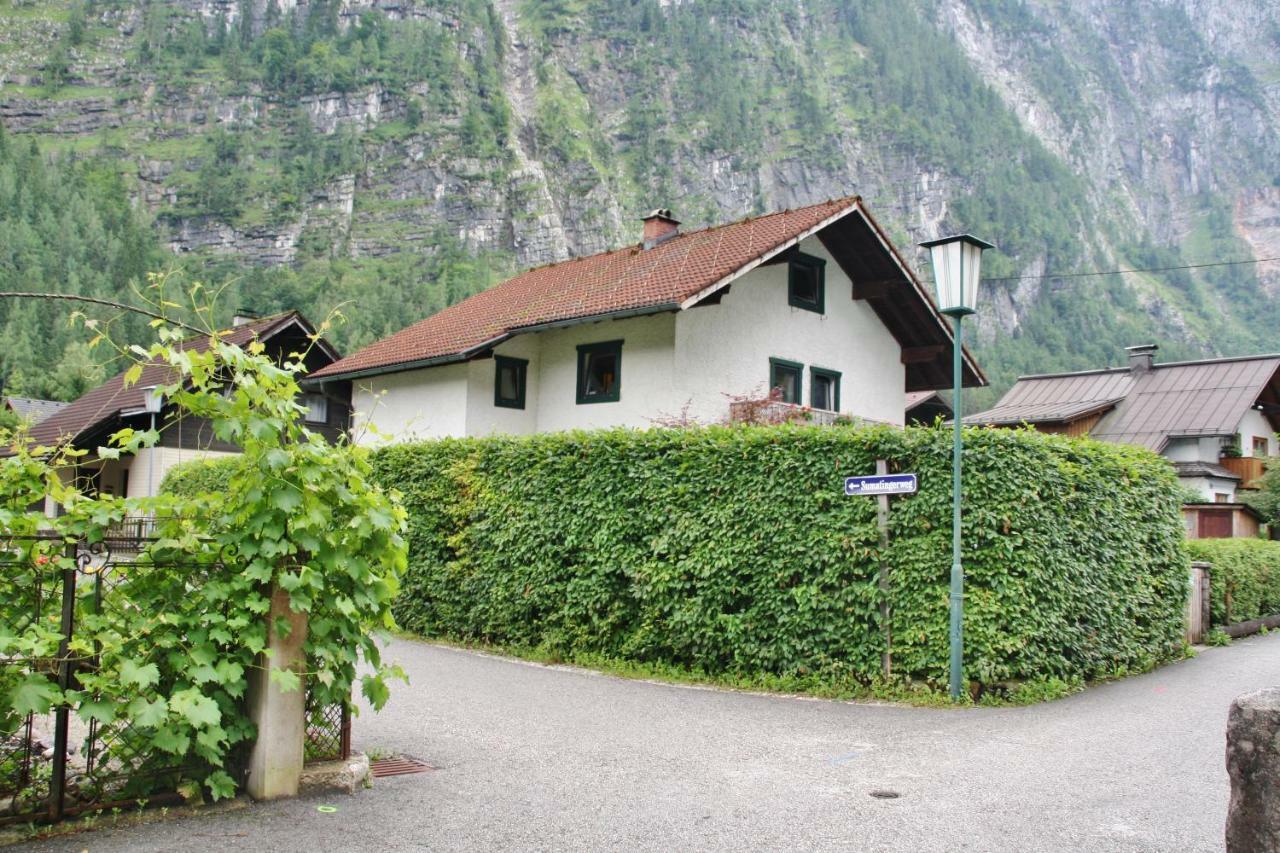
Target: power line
{"points": [[1130, 271]]}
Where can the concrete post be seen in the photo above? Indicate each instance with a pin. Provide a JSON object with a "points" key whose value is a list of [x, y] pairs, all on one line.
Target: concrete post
{"points": [[1253, 763], [275, 765]]}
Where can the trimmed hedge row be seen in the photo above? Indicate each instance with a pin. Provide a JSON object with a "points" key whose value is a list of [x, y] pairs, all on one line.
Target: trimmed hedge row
{"points": [[1244, 582], [733, 550], [199, 476]]}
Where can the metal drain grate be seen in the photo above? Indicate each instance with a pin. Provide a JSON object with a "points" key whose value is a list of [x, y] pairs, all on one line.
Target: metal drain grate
{"points": [[400, 765]]}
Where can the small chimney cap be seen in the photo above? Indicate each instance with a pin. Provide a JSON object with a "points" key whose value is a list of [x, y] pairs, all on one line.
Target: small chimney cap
{"points": [[1142, 349], [661, 213]]}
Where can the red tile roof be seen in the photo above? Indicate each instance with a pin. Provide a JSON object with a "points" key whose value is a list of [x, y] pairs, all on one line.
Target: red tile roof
{"points": [[111, 398], [627, 279]]}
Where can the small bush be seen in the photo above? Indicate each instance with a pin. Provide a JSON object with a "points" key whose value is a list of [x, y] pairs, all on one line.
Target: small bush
{"points": [[1244, 581]]}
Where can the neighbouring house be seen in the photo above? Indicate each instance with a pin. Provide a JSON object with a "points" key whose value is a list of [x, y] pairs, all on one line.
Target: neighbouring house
{"points": [[88, 422], [1215, 420], [924, 408], [30, 410], [813, 306]]}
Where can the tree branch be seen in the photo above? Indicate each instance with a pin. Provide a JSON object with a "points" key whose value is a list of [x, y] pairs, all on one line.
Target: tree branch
{"points": [[95, 301]]}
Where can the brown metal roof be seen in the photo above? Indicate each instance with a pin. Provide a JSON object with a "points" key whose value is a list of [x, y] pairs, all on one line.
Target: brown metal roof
{"points": [[1190, 398]]}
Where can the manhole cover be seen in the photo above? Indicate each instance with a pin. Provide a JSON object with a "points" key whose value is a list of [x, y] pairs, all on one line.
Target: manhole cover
{"points": [[400, 765], [885, 795]]}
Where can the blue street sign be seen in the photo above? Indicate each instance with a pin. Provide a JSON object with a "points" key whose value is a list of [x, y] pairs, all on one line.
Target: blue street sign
{"points": [[885, 484]]}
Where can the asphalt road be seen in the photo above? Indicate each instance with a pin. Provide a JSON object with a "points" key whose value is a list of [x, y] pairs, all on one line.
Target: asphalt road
{"points": [[538, 758]]}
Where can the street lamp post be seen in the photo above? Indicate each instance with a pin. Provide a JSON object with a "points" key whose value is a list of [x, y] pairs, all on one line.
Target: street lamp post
{"points": [[956, 263]]}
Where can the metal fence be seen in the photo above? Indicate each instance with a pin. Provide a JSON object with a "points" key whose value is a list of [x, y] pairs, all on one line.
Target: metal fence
{"points": [[55, 765]]}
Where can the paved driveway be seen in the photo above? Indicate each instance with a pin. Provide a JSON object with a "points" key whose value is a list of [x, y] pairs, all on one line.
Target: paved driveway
{"points": [[531, 757]]}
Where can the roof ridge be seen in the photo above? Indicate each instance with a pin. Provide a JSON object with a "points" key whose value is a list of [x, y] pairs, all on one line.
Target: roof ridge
{"points": [[683, 234]]}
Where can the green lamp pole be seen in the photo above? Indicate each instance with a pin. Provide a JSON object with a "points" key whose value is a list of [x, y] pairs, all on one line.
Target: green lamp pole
{"points": [[956, 263]]}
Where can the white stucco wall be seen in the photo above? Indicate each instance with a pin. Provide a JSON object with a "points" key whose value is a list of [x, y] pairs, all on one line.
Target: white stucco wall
{"points": [[414, 404], [1193, 449], [1210, 487], [483, 417], [725, 349], [646, 385], [1255, 424]]}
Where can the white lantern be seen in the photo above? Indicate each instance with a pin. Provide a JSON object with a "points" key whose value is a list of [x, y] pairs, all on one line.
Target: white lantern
{"points": [[957, 262], [153, 401]]}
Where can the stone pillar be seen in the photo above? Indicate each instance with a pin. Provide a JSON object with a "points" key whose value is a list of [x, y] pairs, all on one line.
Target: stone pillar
{"points": [[275, 765], [1253, 763]]}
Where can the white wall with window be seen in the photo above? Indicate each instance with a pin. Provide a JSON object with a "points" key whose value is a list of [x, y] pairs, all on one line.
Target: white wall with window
{"points": [[501, 396], [1257, 435], [766, 322], [611, 373]]}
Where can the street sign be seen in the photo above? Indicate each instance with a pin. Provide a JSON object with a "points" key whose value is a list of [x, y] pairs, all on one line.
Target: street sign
{"points": [[882, 484]]}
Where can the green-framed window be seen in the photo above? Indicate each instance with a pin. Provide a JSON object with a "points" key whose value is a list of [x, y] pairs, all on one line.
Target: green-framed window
{"points": [[786, 378], [510, 376], [600, 372], [824, 389], [806, 283]]}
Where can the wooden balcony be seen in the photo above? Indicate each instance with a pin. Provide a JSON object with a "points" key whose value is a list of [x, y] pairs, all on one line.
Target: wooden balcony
{"points": [[1248, 468]]}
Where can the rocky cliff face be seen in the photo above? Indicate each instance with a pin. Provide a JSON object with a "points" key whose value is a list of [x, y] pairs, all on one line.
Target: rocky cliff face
{"points": [[539, 131]]}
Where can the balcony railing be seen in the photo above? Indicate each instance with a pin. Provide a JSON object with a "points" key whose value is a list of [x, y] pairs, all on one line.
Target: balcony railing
{"points": [[778, 412], [1248, 468]]}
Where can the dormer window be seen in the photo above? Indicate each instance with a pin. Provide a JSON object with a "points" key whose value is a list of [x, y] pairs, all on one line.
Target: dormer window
{"points": [[806, 284]]}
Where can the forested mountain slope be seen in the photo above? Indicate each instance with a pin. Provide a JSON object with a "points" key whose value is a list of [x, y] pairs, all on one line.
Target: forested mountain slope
{"points": [[402, 154]]}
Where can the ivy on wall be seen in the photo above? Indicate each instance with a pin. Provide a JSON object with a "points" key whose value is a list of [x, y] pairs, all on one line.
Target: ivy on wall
{"points": [[733, 550]]}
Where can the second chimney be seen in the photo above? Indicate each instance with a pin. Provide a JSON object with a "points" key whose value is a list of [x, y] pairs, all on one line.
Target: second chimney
{"points": [[1142, 358], [659, 226]]}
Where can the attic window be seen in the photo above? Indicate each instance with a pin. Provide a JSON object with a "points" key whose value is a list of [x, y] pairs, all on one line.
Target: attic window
{"points": [[806, 284], [509, 382], [600, 372]]}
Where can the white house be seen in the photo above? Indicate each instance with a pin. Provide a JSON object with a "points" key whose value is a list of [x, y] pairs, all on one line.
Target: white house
{"points": [[815, 302]]}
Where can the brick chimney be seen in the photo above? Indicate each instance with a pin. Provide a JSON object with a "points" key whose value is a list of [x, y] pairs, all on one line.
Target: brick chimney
{"points": [[659, 227], [1142, 358]]}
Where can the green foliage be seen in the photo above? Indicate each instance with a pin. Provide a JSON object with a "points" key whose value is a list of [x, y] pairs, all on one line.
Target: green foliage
{"points": [[733, 551], [175, 651], [1266, 498], [200, 477], [1217, 637], [1244, 581]]}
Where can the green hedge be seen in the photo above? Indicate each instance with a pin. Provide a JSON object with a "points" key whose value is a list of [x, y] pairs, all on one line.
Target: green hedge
{"points": [[1244, 582], [199, 476], [733, 550]]}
